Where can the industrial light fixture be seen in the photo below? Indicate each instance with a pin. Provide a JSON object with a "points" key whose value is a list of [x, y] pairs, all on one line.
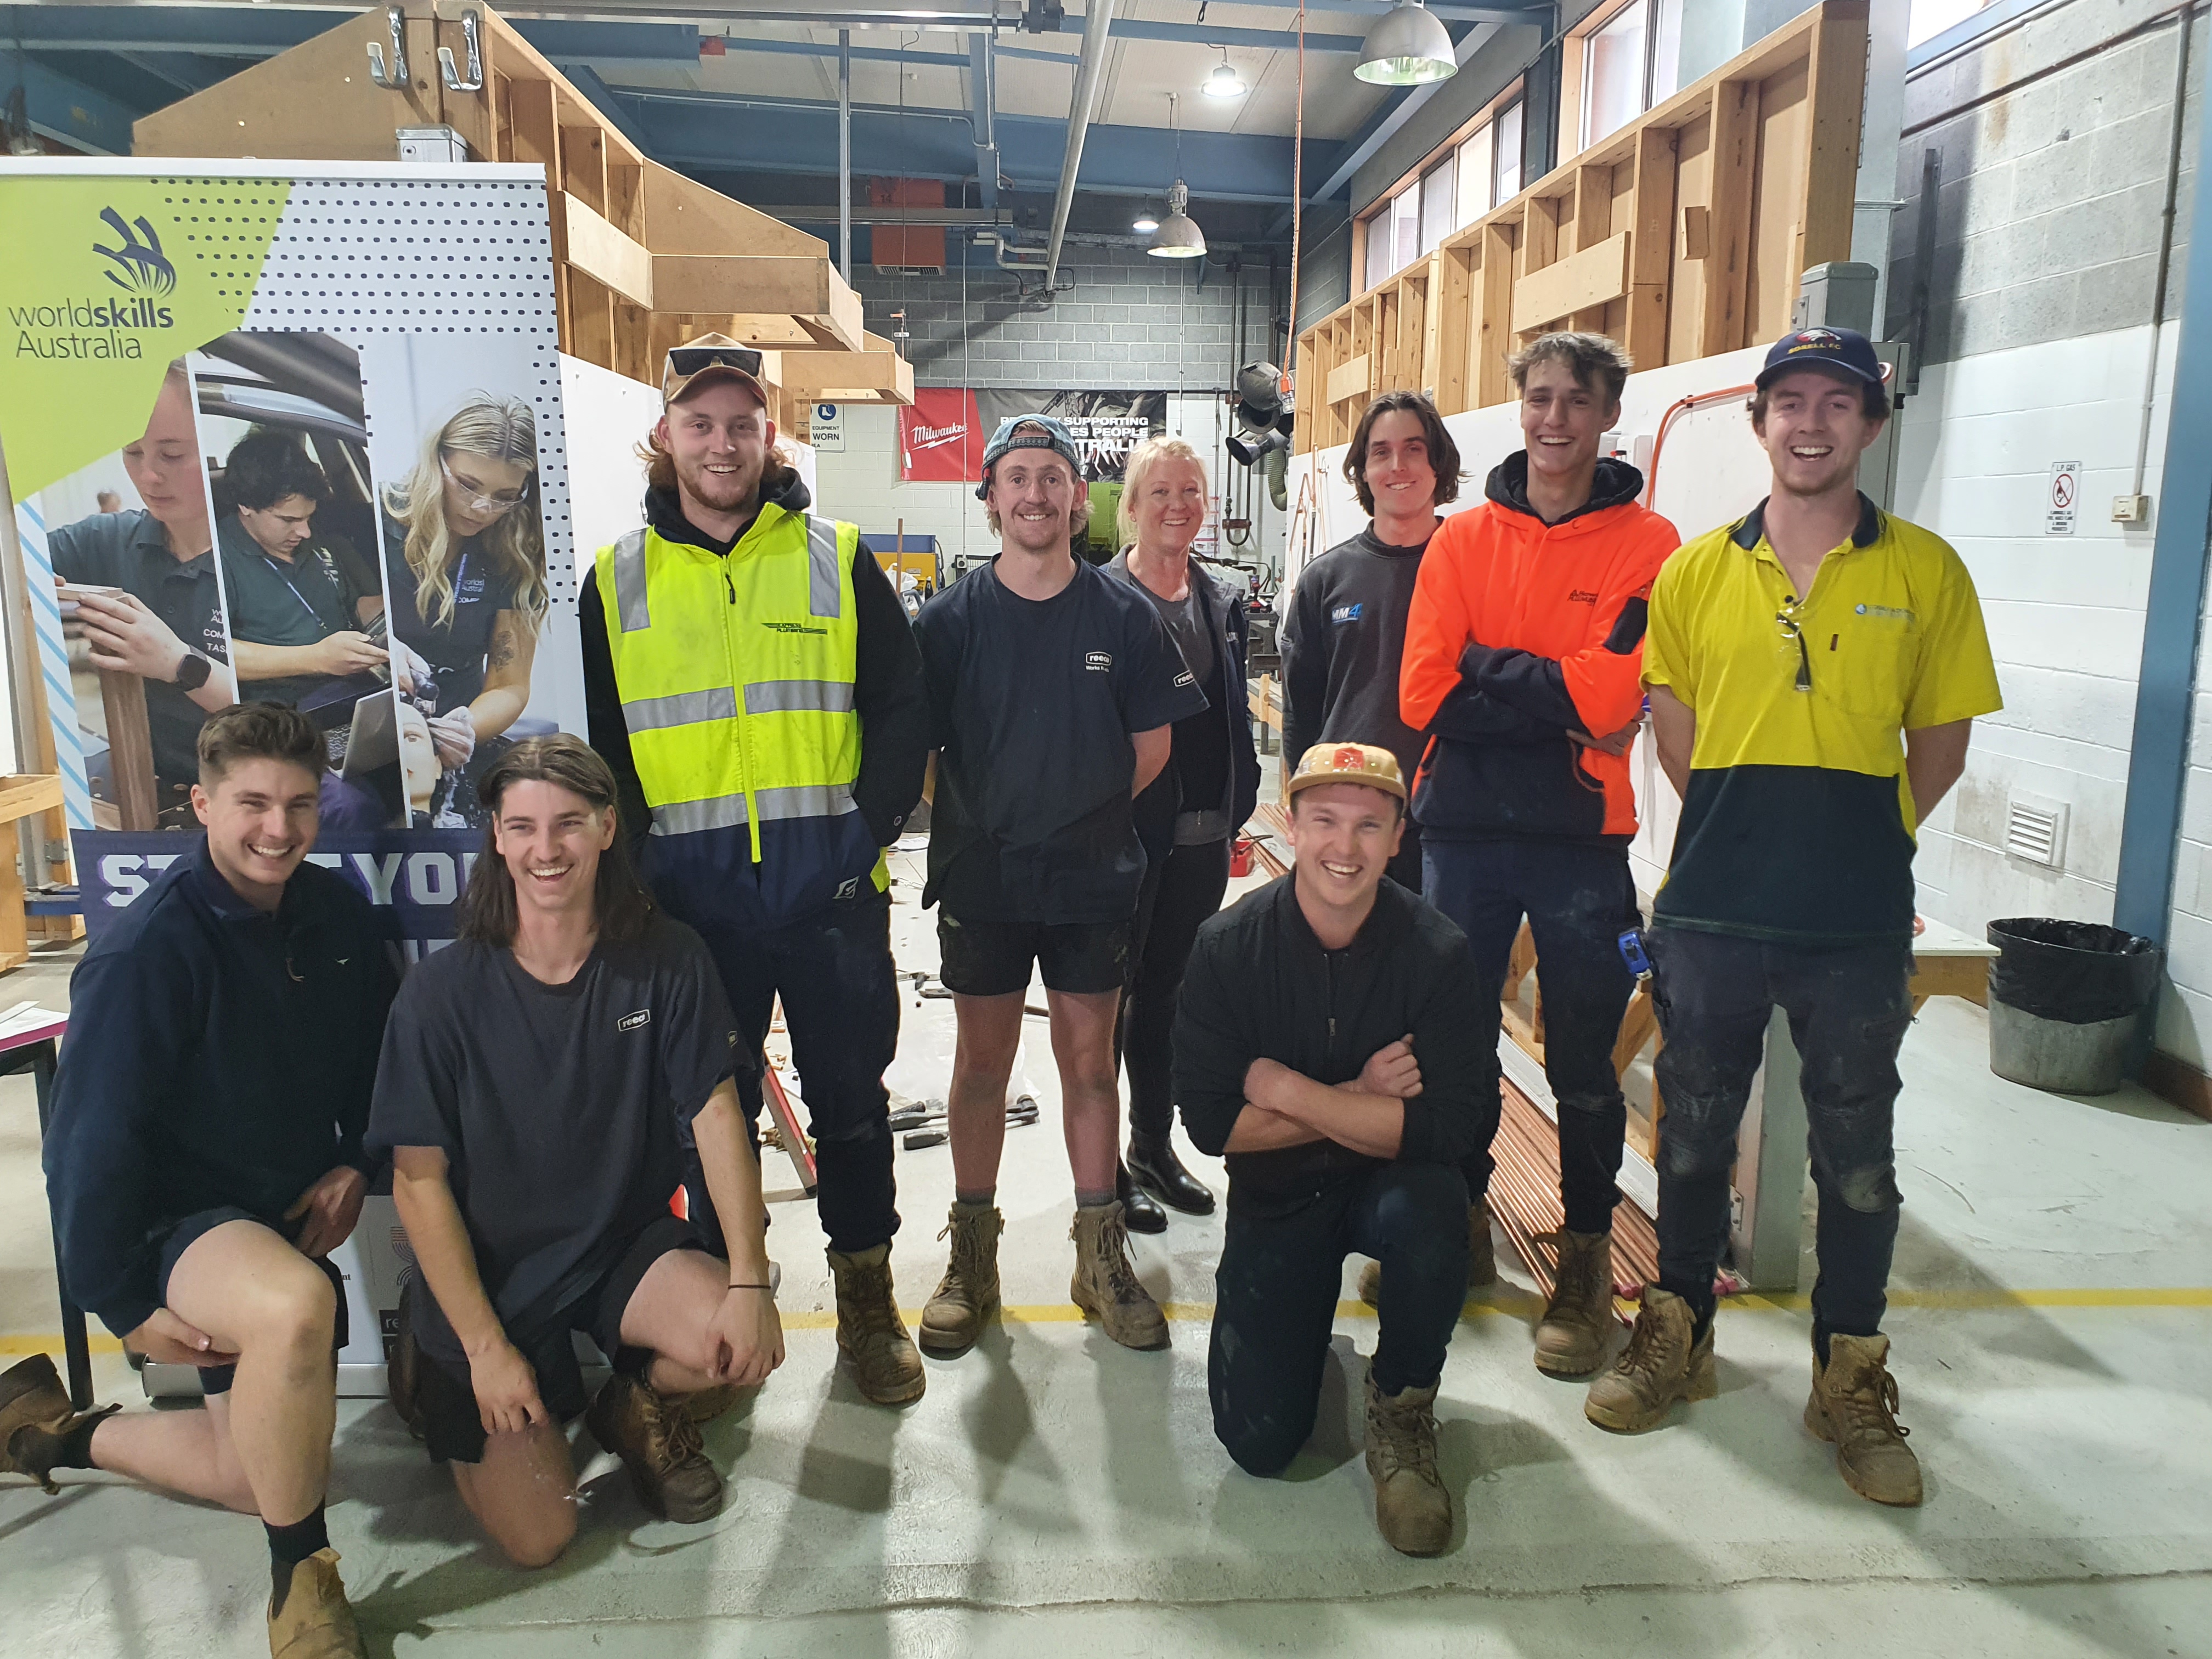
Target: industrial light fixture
{"points": [[1146, 223], [1225, 81], [1408, 47], [1178, 236]]}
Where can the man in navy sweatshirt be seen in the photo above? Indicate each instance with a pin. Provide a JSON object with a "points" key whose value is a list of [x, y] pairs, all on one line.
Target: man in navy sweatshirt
{"points": [[205, 1157]]}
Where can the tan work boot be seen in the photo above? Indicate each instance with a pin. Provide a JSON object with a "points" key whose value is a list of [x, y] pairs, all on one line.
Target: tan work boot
{"points": [[1570, 1338], [1481, 1258], [1854, 1404], [315, 1621], [1412, 1510], [1660, 1366], [870, 1333], [35, 1414], [969, 1292], [1105, 1285], [660, 1445]]}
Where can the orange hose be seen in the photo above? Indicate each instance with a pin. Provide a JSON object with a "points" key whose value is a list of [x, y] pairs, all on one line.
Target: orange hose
{"points": [[1675, 411]]}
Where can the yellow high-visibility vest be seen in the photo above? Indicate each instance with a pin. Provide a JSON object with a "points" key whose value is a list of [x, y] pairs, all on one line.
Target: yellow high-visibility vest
{"points": [[736, 678]]}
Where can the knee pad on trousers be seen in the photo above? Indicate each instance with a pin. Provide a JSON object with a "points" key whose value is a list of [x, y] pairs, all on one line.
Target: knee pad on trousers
{"points": [[1870, 1189]]}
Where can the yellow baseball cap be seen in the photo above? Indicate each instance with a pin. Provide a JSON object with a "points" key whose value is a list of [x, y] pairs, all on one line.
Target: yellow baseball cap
{"points": [[1347, 762]]}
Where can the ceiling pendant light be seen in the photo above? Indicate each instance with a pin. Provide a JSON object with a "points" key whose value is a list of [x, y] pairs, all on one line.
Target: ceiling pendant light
{"points": [[1408, 47], [1146, 222], [1224, 82], [1178, 236]]}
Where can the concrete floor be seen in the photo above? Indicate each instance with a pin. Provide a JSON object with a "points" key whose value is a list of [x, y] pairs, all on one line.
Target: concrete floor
{"points": [[2053, 1328]]}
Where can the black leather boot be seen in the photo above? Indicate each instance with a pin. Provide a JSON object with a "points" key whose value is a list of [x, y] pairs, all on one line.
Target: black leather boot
{"points": [[1138, 1213], [1158, 1170]]}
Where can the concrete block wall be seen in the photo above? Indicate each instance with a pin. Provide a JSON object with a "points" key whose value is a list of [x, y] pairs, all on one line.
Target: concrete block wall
{"points": [[1130, 323], [2048, 215]]}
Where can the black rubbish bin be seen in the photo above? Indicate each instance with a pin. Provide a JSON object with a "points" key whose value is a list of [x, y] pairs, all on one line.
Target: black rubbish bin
{"points": [[2065, 997]]}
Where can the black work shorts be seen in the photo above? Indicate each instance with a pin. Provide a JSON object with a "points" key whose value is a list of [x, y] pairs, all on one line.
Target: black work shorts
{"points": [[445, 1397], [218, 1379], [992, 959]]}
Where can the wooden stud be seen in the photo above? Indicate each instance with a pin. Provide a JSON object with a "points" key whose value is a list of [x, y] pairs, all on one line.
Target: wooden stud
{"points": [[1449, 319], [1840, 47], [1727, 265], [1494, 338], [584, 165], [1643, 330]]}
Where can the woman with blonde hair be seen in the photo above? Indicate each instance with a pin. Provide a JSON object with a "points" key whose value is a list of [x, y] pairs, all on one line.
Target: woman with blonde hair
{"points": [[1191, 813], [465, 564]]}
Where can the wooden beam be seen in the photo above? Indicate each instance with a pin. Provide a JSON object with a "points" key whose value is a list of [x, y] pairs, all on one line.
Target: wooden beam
{"points": [[1494, 334], [1349, 381], [1651, 261], [878, 375], [1451, 312], [597, 248], [1728, 260], [1591, 277], [1840, 47], [682, 216], [726, 283]]}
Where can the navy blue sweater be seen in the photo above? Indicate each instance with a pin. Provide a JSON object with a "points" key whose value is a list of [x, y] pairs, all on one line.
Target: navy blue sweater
{"points": [[216, 1056]]}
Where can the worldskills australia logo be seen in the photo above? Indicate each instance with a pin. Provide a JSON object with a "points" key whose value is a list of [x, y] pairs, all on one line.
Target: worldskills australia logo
{"points": [[93, 329], [140, 267]]}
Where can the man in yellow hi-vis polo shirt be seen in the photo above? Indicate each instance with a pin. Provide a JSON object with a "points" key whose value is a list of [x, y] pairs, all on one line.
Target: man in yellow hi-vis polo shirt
{"points": [[1814, 670]]}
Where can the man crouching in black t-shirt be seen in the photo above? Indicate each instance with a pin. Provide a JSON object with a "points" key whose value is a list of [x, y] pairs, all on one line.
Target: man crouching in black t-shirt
{"points": [[1052, 692], [1329, 1041], [529, 1095]]}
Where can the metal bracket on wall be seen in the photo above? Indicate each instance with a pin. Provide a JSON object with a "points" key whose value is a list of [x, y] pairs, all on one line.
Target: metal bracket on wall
{"points": [[393, 76], [472, 43]]}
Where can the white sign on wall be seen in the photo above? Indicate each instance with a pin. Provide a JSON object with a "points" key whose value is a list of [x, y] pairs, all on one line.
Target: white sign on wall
{"points": [[825, 430], [2063, 492]]}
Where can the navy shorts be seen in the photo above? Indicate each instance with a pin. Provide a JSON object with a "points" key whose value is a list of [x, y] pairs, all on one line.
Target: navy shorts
{"points": [[218, 1379], [445, 1397], [992, 959]]}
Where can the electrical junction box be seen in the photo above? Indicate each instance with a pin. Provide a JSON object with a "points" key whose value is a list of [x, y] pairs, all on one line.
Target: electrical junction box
{"points": [[2130, 510], [1837, 294], [432, 144]]}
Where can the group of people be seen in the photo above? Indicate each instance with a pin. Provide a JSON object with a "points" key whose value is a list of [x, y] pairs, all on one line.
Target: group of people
{"points": [[1462, 693], [209, 582]]}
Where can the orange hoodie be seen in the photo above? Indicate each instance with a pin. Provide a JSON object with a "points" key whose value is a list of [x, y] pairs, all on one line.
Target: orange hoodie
{"points": [[1521, 632]]}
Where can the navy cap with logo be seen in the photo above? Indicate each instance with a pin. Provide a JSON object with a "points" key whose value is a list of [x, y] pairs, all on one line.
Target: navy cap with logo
{"points": [[1844, 353], [1027, 432]]}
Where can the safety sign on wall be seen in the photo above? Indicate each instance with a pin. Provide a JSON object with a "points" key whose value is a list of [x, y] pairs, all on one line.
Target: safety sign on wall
{"points": [[825, 430], [2064, 491]]}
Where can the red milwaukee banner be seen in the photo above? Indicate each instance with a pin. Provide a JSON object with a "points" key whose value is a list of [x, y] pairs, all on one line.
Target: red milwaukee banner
{"points": [[939, 442]]}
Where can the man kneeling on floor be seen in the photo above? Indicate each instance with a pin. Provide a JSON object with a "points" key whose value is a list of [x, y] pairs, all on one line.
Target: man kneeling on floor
{"points": [[1328, 1042], [528, 1097], [205, 1155]]}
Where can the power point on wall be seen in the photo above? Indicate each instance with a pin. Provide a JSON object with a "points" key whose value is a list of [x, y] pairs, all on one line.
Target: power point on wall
{"points": [[2130, 510]]}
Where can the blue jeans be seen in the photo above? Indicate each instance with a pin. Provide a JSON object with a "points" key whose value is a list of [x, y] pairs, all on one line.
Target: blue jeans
{"points": [[841, 1006], [1275, 1301], [1578, 900], [1848, 1009]]}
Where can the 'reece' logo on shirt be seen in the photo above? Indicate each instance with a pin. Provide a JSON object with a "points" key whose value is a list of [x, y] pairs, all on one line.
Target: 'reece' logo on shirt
{"points": [[1098, 662], [632, 1022]]}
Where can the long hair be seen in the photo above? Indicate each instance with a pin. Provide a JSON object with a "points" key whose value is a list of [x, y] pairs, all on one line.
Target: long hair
{"points": [[498, 430], [1148, 455], [623, 906], [1443, 453]]}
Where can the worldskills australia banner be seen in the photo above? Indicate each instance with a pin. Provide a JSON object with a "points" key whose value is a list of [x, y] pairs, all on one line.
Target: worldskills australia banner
{"points": [[288, 434], [941, 434]]}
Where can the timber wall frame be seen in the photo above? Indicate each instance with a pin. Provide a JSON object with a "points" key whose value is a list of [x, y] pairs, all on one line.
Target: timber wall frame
{"points": [[1682, 236], [643, 257]]}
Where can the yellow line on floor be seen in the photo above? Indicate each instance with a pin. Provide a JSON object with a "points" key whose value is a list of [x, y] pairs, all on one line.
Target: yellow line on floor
{"points": [[1511, 1303]]}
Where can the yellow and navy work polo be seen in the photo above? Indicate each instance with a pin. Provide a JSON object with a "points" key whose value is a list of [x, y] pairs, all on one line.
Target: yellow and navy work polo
{"points": [[1798, 825]]}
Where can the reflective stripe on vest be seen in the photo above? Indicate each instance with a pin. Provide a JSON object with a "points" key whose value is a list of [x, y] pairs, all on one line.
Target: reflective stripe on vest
{"points": [[736, 674]]}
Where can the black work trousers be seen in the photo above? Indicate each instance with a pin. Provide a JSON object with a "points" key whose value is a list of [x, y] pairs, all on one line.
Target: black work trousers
{"points": [[1181, 890], [1848, 1009], [841, 1007], [1578, 900], [1275, 1295]]}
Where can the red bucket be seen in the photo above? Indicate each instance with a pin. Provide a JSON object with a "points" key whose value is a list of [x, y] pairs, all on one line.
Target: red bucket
{"points": [[1240, 857]]}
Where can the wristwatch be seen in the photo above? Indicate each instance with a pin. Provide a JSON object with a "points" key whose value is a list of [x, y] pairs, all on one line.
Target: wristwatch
{"points": [[193, 672]]}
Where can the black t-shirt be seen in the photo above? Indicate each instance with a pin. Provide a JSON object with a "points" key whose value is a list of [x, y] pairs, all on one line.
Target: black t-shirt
{"points": [[1032, 705], [557, 1105], [456, 651], [1200, 759]]}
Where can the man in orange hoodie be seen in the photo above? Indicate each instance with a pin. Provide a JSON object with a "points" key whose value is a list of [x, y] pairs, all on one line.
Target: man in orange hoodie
{"points": [[1524, 657]]}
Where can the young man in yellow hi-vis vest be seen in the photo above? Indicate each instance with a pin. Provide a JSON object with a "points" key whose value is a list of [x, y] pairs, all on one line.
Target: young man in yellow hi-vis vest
{"points": [[750, 677]]}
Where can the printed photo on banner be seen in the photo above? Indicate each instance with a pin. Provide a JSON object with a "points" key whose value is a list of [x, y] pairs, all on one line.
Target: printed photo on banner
{"points": [[146, 650], [283, 426], [455, 450]]}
